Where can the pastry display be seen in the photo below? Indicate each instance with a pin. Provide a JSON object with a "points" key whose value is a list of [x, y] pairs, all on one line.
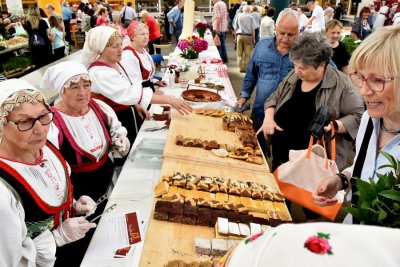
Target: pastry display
{"points": [[202, 246], [218, 247]]}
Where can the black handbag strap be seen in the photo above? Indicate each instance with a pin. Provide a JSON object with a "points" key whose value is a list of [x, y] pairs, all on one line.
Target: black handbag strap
{"points": [[358, 166]]}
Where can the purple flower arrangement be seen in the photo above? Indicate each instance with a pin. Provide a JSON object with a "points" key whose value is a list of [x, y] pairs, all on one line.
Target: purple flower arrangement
{"points": [[192, 46]]}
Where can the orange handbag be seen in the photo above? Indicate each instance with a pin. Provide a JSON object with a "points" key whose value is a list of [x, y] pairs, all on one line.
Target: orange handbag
{"points": [[298, 177]]}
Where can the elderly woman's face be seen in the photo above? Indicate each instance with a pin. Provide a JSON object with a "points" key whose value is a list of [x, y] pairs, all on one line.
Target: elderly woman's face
{"points": [[112, 53], [379, 104], [308, 73], [141, 37], [32, 139], [77, 96]]}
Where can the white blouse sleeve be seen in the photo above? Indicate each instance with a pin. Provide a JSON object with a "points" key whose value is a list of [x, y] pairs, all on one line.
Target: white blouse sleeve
{"points": [[52, 135], [16, 248], [109, 83]]}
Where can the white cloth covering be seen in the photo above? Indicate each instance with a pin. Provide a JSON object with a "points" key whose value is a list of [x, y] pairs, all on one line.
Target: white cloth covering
{"points": [[56, 76], [116, 86], [80, 136], [351, 245], [95, 43], [132, 66], [11, 86], [16, 248]]}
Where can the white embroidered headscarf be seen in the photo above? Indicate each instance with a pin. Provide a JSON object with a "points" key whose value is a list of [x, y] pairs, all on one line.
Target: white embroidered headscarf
{"points": [[15, 92], [96, 41], [61, 75]]}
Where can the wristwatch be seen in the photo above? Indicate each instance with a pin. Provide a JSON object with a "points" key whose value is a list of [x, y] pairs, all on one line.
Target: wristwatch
{"points": [[345, 181]]}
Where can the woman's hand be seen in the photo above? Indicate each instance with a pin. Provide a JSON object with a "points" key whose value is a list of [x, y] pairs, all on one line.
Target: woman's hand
{"points": [[268, 128], [144, 114], [181, 106], [85, 205], [324, 193]]}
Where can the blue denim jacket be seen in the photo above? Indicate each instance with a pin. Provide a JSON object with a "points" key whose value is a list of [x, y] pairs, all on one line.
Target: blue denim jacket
{"points": [[266, 69]]}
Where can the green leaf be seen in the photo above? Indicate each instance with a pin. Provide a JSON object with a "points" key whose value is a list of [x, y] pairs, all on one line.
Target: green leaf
{"points": [[367, 191], [391, 159], [391, 194], [395, 207], [382, 215], [322, 235]]}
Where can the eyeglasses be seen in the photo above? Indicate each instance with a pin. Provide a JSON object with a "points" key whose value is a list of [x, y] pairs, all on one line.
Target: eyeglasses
{"points": [[376, 84], [28, 124], [289, 36]]}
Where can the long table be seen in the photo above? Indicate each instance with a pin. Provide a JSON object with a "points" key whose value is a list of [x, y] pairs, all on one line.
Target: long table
{"points": [[134, 188]]}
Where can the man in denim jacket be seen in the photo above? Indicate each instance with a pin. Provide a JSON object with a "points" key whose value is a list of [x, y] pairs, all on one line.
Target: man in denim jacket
{"points": [[268, 65]]}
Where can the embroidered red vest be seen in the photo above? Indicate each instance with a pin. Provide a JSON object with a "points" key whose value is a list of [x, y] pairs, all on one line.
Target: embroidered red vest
{"points": [[79, 159], [37, 211]]}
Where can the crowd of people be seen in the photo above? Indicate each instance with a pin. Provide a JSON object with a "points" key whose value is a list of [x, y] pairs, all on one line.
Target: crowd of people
{"points": [[55, 162]]}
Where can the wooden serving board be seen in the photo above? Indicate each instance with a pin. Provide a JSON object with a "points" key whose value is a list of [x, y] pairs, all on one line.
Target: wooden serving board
{"points": [[204, 128], [167, 241]]}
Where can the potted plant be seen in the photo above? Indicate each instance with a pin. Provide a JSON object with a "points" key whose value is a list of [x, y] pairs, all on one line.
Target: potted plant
{"points": [[379, 202], [201, 28], [191, 47]]}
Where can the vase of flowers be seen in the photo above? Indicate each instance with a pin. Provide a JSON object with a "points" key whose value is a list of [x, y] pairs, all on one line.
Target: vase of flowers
{"points": [[201, 28], [192, 46]]}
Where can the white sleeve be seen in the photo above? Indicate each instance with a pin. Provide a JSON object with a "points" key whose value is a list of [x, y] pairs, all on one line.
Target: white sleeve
{"points": [[109, 83], [52, 135], [16, 248], [113, 122]]}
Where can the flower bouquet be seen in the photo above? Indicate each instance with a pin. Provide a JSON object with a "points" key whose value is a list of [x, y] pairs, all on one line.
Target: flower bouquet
{"points": [[201, 28], [192, 46]]}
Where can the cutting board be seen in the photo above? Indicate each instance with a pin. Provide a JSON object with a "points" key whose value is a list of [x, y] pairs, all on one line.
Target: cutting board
{"points": [[204, 128], [167, 241]]}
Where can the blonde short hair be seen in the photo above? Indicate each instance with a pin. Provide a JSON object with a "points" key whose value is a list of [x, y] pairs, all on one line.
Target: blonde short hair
{"points": [[381, 48]]}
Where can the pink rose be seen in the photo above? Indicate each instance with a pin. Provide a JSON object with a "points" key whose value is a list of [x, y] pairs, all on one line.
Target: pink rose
{"points": [[318, 245]]}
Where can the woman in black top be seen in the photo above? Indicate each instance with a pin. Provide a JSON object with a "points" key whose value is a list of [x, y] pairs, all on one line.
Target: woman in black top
{"points": [[39, 38], [340, 56]]}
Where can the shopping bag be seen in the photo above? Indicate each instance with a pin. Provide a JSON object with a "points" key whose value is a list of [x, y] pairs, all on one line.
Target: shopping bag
{"points": [[217, 41], [20, 31], [305, 169]]}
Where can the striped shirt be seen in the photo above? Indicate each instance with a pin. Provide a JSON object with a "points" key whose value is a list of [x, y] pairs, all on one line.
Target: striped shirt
{"points": [[220, 13]]}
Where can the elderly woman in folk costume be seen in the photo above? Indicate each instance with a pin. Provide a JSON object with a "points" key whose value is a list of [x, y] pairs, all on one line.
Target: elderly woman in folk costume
{"points": [[111, 83], [89, 136], [36, 195], [136, 60]]}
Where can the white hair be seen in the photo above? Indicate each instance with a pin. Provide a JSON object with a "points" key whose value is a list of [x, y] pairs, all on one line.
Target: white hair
{"points": [[287, 12]]}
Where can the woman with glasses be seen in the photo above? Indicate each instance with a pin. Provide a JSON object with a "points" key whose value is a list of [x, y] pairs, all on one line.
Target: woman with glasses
{"points": [[36, 195], [375, 71], [89, 136]]}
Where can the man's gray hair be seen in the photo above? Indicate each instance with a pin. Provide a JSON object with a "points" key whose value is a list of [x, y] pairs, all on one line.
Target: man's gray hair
{"points": [[50, 6], [287, 12], [312, 49]]}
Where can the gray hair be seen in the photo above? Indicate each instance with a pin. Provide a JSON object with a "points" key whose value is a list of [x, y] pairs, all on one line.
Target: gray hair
{"points": [[287, 12], [312, 49], [50, 6]]}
